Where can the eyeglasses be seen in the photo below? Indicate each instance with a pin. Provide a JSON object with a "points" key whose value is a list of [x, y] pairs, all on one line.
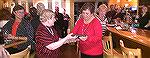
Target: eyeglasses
{"points": [[20, 12], [83, 13]]}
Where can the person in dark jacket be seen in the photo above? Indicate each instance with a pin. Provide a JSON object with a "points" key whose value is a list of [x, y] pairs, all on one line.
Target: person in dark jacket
{"points": [[66, 22], [144, 18], [19, 27], [35, 19], [59, 23]]}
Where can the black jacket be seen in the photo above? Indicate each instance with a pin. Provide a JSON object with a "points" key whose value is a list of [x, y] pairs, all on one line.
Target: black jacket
{"points": [[24, 29]]}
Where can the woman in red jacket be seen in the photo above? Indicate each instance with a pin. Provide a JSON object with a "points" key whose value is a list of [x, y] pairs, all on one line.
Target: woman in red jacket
{"points": [[91, 45]]}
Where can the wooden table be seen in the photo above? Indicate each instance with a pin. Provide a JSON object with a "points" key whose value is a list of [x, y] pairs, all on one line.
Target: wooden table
{"points": [[138, 39], [140, 36], [17, 42]]}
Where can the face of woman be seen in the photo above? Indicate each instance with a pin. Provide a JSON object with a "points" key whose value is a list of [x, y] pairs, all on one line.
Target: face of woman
{"points": [[102, 11], [86, 14], [19, 13], [144, 9], [50, 21]]}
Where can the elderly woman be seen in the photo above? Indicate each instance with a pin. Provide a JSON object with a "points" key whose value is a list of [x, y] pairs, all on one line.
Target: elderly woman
{"points": [[91, 44], [47, 39]]}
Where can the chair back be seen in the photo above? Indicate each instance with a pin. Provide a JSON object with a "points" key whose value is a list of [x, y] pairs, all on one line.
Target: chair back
{"points": [[109, 52], [107, 44], [130, 52], [23, 54]]}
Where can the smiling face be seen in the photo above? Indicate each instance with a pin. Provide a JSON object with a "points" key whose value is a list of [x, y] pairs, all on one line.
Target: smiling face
{"points": [[102, 9]]}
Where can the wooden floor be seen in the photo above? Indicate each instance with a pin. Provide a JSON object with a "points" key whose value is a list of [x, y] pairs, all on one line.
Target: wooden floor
{"points": [[68, 51]]}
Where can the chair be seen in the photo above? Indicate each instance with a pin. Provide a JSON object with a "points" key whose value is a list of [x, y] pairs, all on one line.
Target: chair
{"points": [[109, 52], [23, 54], [129, 52], [78, 51]]}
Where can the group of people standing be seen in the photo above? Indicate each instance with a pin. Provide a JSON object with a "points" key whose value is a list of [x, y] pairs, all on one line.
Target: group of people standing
{"points": [[48, 41], [42, 30], [46, 31], [28, 27]]}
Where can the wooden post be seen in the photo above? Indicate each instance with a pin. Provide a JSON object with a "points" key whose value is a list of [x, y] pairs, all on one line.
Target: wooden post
{"points": [[137, 7], [96, 5]]}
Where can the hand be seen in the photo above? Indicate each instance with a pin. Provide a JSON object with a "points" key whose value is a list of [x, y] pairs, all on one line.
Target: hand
{"points": [[83, 38], [8, 36], [69, 36], [71, 40], [148, 24]]}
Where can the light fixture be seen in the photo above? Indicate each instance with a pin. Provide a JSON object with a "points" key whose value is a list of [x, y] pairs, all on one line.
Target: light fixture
{"points": [[129, 0], [118, 0], [126, 5]]}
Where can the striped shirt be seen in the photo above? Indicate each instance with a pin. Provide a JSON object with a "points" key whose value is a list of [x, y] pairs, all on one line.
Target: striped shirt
{"points": [[103, 23]]}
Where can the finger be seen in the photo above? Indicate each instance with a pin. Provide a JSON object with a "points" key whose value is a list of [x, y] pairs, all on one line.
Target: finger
{"points": [[74, 37], [71, 34], [77, 39]]}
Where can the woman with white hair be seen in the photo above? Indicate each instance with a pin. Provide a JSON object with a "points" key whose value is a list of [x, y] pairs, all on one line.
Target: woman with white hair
{"points": [[47, 39]]}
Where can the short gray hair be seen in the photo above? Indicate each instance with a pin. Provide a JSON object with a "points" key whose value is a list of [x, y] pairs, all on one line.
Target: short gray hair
{"points": [[43, 15]]}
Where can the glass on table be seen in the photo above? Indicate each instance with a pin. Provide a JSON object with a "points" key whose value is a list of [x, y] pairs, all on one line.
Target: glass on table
{"points": [[126, 26], [133, 31]]}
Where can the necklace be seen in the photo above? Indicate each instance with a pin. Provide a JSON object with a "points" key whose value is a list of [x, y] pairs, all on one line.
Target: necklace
{"points": [[50, 30], [84, 29]]}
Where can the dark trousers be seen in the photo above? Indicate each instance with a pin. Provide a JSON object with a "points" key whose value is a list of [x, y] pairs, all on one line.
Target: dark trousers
{"points": [[64, 34], [89, 56]]}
